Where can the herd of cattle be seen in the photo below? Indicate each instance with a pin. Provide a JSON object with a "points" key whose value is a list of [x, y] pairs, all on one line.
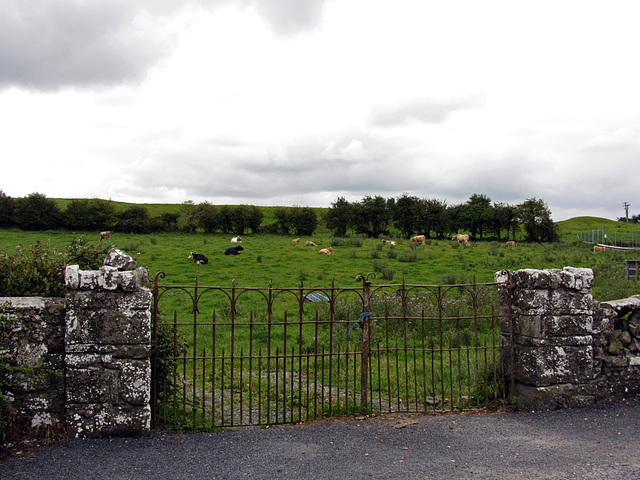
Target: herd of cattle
{"points": [[201, 259]]}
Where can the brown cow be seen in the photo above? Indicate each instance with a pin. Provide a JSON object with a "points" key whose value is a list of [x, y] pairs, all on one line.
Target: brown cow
{"points": [[388, 242], [597, 248], [461, 238], [105, 235], [510, 244], [296, 240], [326, 251], [418, 239]]}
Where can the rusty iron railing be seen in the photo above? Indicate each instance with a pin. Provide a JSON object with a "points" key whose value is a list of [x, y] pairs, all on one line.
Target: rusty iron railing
{"points": [[238, 356]]}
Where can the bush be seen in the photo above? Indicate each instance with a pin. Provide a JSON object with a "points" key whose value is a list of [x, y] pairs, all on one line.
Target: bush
{"points": [[39, 271], [357, 240], [379, 265], [32, 271], [388, 273], [411, 256]]}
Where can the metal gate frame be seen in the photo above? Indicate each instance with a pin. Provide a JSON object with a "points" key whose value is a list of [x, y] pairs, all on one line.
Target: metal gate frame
{"points": [[308, 380]]}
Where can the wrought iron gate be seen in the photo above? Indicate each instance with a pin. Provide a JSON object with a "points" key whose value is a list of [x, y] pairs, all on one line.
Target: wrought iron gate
{"points": [[236, 356]]}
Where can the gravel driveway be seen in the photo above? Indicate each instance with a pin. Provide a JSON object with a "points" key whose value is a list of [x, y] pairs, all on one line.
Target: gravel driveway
{"points": [[597, 442]]}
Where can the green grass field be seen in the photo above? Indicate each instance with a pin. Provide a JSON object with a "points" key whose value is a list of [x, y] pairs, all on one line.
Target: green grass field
{"points": [[275, 258]]}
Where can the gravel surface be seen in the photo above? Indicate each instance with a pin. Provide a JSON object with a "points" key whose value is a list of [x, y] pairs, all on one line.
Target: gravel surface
{"points": [[597, 442]]}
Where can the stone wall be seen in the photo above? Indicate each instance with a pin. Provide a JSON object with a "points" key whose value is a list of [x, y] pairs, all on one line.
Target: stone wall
{"points": [[84, 359], [32, 345], [563, 354]]}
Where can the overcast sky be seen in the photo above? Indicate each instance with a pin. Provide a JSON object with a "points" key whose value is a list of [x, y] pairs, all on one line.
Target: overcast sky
{"points": [[299, 102]]}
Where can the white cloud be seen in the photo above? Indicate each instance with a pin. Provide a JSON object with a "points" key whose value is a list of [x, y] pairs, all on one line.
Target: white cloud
{"points": [[285, 102]]}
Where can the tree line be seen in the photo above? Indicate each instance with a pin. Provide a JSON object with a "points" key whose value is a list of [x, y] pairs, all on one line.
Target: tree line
{"points": [[479, 216], [373, 216], [37, 212]]}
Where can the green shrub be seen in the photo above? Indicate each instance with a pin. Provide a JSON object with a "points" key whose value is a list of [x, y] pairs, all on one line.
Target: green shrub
{"points": [[35, 271], [338, 242], [392, 253], [378, 265], [411, 256], [388, 273], [357, 240], [39, 271]]}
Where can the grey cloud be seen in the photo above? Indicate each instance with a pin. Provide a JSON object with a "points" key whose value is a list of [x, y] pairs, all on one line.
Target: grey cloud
{"points": [[419, 110], [289, 17], [52, 44]]}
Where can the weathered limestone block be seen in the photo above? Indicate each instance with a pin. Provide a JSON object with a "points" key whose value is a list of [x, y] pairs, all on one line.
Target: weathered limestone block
{"points": [[553, 325], [548, 365], [101, 420], [532, 279], [561, 302], [107, 278], [108, 326], [92, 385], [135, 378], [120, 260]]}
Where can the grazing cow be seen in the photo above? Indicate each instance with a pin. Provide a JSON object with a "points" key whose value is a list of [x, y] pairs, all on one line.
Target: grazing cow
{"points": [[233, 250], [236, 239], [105, 235], [510, 244], [326, 251], [461, 238], [296, 240], [309, 243], [597, 248], [198, 258], [418, 239]]}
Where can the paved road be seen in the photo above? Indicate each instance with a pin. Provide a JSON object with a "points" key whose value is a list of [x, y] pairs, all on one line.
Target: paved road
{"points": [[597, 442]]}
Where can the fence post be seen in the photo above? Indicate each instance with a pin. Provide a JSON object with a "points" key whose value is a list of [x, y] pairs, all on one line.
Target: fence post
{"points": [[366, 338]]}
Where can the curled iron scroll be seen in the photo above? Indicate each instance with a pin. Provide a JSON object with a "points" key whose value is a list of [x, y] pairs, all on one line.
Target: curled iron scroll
{"points": [[365, 278]]}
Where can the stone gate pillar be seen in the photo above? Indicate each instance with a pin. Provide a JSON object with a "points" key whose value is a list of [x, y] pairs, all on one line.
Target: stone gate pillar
{"points": [[557, 341], [108, 349]]}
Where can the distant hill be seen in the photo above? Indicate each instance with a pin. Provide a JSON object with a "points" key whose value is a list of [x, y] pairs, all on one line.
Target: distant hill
{"points": [[571, 227], [157, 209]]}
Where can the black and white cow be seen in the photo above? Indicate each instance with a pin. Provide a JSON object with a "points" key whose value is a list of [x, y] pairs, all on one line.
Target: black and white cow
{"points": [[199, 258], [233, 250]]}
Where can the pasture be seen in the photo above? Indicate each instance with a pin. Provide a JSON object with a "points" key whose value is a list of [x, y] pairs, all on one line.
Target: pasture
{"points": [[275, 258]]}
